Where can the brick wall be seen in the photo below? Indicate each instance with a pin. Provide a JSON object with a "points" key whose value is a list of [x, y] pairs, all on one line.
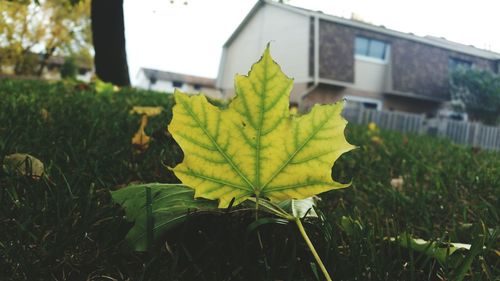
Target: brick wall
{"points": [[336, 52], [416, 67], [423, 69]]}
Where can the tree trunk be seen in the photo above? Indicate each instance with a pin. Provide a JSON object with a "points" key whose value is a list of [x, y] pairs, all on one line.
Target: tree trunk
{"points": [[108, 34], [45, 59]]}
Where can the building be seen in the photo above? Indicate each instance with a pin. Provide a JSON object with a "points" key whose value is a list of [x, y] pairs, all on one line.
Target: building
{"points": [[52, 69], [84, 70], [331, 57], [165, 81]]}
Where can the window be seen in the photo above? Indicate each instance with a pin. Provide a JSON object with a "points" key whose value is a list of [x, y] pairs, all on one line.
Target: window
{"points": [[359, 104], [177, 84], [455, 64], [369, 105], [355, 102], [370, 48], [197, 87], [152, 80]]}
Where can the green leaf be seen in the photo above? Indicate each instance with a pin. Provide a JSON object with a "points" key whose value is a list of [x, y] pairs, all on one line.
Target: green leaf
{"points": [[255, 147], [438, 250], [350, 225], [155, 208]]}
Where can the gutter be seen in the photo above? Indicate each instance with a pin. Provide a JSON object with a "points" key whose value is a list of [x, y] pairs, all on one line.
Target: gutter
{"points": [[316, 50], [315, 61]]}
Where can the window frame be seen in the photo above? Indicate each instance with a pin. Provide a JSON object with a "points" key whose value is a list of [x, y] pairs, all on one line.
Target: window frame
{"points": [[366, 53], [179, 83], [459, 63]]}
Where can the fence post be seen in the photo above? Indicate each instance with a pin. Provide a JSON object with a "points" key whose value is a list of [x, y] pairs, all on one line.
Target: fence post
{"points": [[360, 115], [422, 128], [475, 138]]}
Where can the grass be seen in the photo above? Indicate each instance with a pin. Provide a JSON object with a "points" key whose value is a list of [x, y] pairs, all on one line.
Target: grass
{"points": [[65, 227]]}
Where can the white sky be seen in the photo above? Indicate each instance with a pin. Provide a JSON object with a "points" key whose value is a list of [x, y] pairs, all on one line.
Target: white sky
{"points": [[189, 38]]}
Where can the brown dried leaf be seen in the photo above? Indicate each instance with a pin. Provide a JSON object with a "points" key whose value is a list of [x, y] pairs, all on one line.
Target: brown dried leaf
{"points": [[24, 165]]}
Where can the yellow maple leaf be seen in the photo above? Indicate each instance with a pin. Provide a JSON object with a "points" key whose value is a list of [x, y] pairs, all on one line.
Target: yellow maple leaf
{"points": [[147, 110], [255, 147], [140, 140]]}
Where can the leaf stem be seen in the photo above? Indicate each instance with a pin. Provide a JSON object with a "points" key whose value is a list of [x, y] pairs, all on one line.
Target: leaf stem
{"points": [[259, 238], [311, 247]]}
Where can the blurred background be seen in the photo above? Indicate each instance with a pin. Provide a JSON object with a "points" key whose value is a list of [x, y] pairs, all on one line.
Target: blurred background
{"points": [[415, 62], [86, 97]]}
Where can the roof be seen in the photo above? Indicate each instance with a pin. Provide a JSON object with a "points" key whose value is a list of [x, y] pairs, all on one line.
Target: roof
{"points": [[174, 76], [429, 40]]}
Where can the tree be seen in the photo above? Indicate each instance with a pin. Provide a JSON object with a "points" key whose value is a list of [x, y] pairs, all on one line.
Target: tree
{"points": [[18, 36], [46, 27], [108, 34], [69, 68], [477, 92]]}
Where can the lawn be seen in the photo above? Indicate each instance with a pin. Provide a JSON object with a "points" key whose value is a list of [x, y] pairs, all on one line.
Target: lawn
{"points": [[64, 226]]}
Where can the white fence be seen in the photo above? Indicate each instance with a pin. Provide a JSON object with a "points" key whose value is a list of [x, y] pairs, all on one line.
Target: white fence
{"points": [[466, 133]]}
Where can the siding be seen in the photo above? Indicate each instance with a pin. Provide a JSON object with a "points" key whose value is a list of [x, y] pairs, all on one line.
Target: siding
{"points": [[288, 34]]}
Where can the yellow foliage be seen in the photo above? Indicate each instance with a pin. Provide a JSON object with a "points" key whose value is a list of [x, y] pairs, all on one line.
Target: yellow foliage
{"points": [[255, 147], [147, 110], [54, 26], [376, 140], [372, 126], [140, 140]]}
